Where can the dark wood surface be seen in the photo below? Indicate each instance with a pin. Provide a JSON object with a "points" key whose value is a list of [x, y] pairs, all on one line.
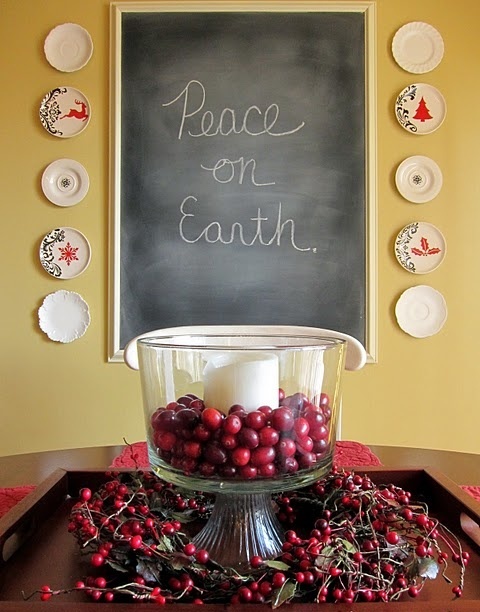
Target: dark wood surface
{"points": [[32, 468]]}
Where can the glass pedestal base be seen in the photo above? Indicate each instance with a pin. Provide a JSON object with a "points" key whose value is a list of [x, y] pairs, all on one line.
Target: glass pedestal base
{"points": [[241, 526]]}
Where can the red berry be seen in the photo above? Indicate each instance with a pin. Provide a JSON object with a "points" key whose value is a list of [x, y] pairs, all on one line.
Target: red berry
{"points": [[262, 455], [255, 419], [212, 418], [240, 456], [232, 424], [97, 559], [282, 419], [278, 580], [136, 542], [413, 591], [202, 556], [256, 561], [301, 427], [268, 436], [392, 537]]}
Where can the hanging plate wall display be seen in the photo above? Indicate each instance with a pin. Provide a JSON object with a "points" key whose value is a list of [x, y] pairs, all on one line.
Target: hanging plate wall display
{"points": [[417, 47], [418, 179], [68, 47], [420, 247], [420, 109], [64, 316], [64, 112], [65, 182], [421, 311], [65, 253]]}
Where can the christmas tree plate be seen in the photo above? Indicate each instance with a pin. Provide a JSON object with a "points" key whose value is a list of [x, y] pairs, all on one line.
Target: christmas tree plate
{"points": [[421, 311], [417, 47], [420, 108], [68, 47], [65, 182], [418, 179], [65, 253], [64, 316], [420, 247], [64, 112]]}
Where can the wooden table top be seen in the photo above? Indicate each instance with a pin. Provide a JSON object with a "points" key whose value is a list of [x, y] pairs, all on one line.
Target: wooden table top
{"points": [[32, 468]]}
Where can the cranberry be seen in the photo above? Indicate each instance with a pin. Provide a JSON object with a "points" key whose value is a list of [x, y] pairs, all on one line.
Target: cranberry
{"points": [[282, 419], [212, 418], [255, 419], [236, 408], [192, 449], [215, 454], [228, 441], [314, 418], [267, 411], [186, 400], [305, 445], [186, 418], [248, 437], [268, 436], [201, 433], [240, 456], [232, 424], [301, 427], [268, 470], [286, 447], [248, 472], [289, 465], [319, 433], [262, 455], [163, 419], [165, 440]]}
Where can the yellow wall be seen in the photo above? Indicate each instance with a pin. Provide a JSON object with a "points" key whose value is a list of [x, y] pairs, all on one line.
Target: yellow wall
{"points": [[420, 393]]}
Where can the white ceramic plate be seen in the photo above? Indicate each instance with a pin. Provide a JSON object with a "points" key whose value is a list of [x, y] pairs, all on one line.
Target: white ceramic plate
{"points": [[420, 108], [65, 182], [64, 112], [418, 47], [418, 179], [420, 247], [64, 316], [68, 47], [421, 311], [65, 253]]}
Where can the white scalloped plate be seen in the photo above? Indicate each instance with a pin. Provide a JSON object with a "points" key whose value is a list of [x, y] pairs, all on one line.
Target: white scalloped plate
{"points": [[68, 47], [64, 316], [418, 47], [64, 112], [420, 247], [419, 179], [65, 182], [65, 253], [420, 108], [421, 311]]}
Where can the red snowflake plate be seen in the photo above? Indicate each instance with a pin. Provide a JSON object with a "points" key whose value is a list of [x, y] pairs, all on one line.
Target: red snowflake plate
{"points": [[64, 316], [420, 109], [420, 247], [65, 253]]}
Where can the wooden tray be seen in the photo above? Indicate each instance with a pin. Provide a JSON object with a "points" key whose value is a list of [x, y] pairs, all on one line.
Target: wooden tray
{"points": [[36, 549]]}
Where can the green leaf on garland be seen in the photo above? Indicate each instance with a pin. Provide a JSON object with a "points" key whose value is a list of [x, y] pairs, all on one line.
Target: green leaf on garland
{"points": [[348, 546], [285, 593], [428, 568], [324, 559], [165, 544], [117, 566], [280, 565]]}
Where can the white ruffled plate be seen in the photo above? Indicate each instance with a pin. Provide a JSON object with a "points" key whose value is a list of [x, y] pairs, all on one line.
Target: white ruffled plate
{"points": [[68, 47], [419, 179], [65, 182], [64, 112], [420, 108], [64, 316], [421, 311], [418, 47], [65, 253], [420, 247]]}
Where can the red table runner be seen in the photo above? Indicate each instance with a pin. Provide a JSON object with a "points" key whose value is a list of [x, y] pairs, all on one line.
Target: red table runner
{"points": [[347, 453]]}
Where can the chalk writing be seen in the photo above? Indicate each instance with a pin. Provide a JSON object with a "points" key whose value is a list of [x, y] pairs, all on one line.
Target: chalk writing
{"points": [[229, 174]]}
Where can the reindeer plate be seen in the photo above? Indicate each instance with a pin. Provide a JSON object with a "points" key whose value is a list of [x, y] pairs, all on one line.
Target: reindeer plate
{"points": [[64, 112], [64, 253]]}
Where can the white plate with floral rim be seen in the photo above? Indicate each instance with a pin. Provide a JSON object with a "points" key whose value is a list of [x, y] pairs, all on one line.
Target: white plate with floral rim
{"points": [[421, 311], [65, 253], [65, 182], [64, 112], [420, 247], [419, 179], [64, 316], [68, 47], [420, 109], [418, 47]]}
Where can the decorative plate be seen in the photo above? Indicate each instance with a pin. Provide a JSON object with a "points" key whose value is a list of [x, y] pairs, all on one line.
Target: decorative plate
{"points": [[417, 47], [421, 311], [420, 247], [418, 179], [68, 47], [64, 112], [65, 182], [64, 316], [65, 253], [420, 109]]}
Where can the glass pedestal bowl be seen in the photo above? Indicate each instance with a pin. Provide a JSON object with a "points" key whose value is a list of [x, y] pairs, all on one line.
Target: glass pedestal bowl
{"points": [[241, 416]]}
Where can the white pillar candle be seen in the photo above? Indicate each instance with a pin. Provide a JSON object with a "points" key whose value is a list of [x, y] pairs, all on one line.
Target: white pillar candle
{"points": [[249, 378]]}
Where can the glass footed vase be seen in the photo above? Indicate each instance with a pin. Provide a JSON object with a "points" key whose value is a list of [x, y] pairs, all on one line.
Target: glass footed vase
{"points": [[241, 416]]}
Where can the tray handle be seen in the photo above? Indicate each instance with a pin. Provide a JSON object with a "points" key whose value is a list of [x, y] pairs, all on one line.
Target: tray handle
{"points": [[470, 527]]}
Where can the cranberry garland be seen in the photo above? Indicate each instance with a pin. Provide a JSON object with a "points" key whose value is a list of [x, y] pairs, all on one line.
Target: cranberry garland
{"points": [[355, 542]]}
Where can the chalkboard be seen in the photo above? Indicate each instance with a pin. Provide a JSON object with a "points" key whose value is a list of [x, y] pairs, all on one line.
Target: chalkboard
{"points": [[242, 169]]}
